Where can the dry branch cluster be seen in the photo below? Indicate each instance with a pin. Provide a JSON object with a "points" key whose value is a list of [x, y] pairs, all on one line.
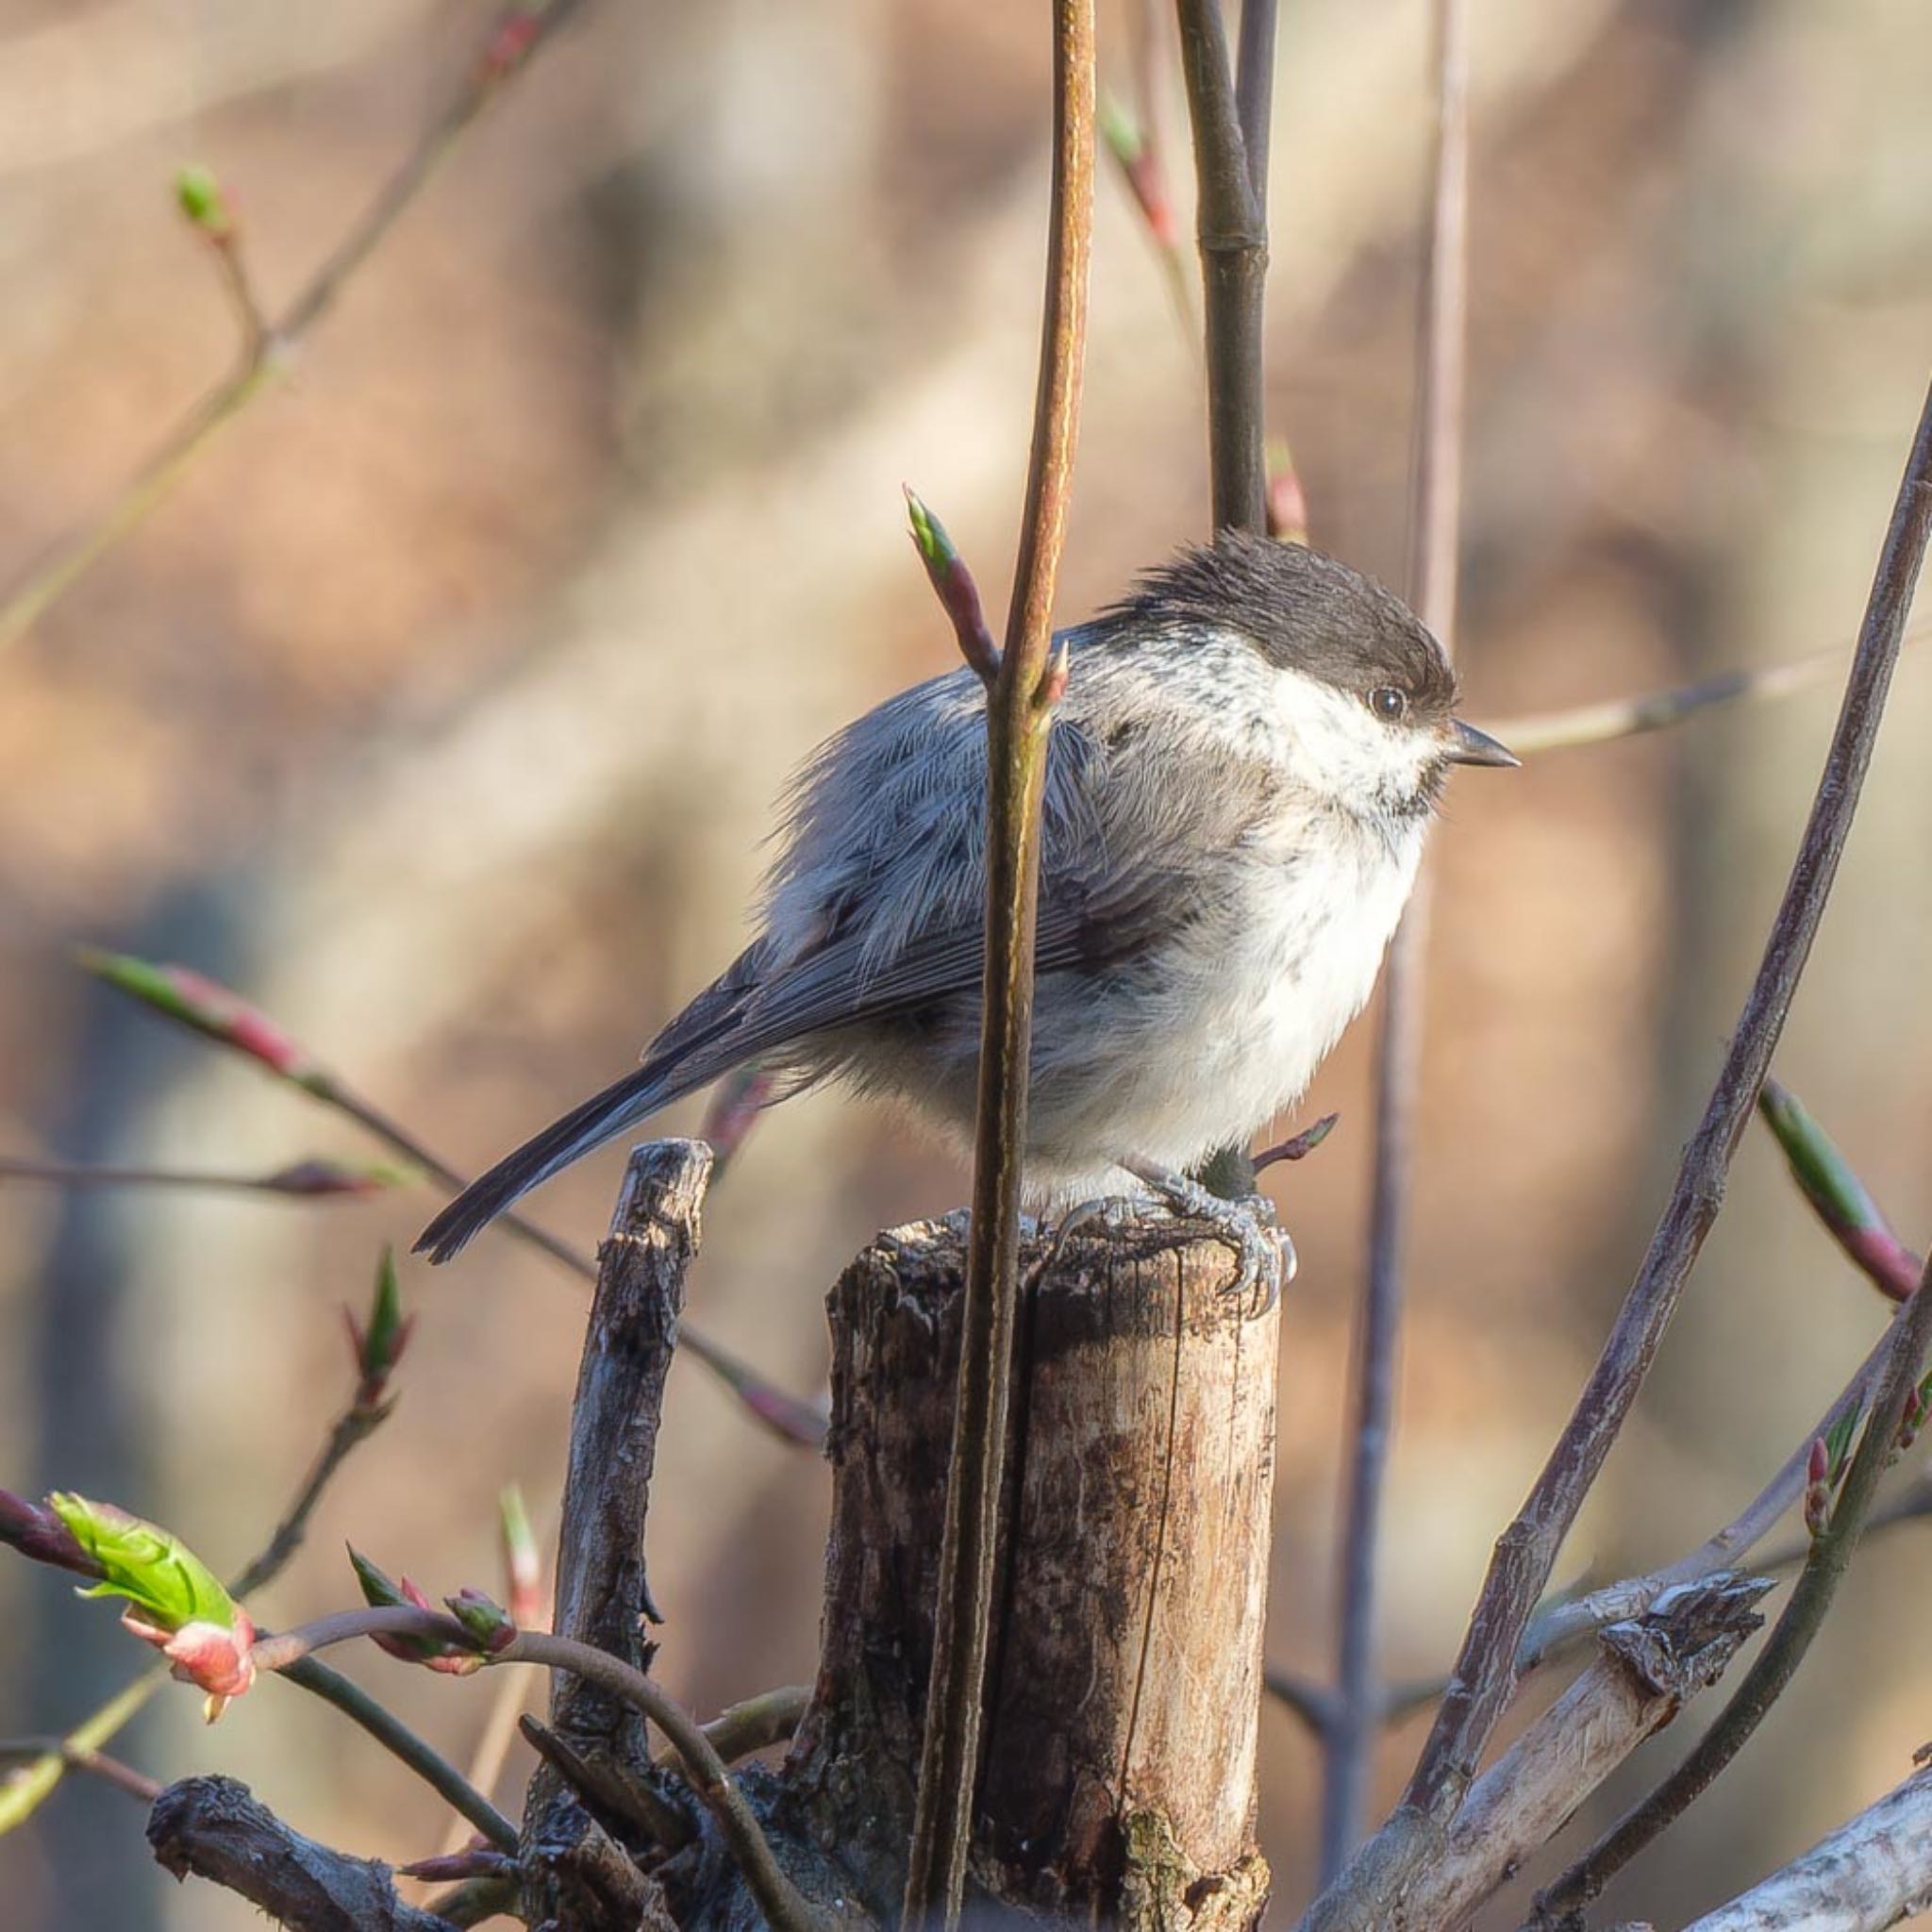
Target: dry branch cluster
{"points": [[1041, 1670]]}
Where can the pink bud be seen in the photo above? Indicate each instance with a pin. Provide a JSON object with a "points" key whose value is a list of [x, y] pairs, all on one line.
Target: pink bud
{"points": [[220, 1660]]}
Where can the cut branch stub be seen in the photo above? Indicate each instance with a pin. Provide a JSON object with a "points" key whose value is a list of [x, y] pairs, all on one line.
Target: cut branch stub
{"points": [[603, 1597], [216, 1828], [1125, 1674]]}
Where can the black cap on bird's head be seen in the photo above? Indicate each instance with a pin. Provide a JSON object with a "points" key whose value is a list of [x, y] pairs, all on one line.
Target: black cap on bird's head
{"points": [[1307, 612]]}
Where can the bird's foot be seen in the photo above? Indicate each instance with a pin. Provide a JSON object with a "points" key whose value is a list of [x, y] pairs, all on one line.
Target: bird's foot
{"points": [[1265, 1252], [1109, 1209]]}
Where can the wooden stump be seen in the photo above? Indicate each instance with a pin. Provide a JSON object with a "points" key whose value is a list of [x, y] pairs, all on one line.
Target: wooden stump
{"points": [[1117, 1780]]}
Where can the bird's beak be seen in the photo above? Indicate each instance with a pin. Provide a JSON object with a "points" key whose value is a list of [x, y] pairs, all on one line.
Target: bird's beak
{"points": [[1469, 747]]}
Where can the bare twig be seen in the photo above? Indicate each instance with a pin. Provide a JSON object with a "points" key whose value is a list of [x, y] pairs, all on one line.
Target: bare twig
{"points": [[1614, 718], [1437, 522], [704, 1768], [403, 1744], [1560, 1624], [270, 348], [1485, 1671], [214, 1013], [754, 1723], [1870, 1874], [1804, 1616], [1645, 1671], [308, 1180], [1232, 226], [124, 1777], [1018, 721], [1254, 92], [218, 1830], [608, 1785]]}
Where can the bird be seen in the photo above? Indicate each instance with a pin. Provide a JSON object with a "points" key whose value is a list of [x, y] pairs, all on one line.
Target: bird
{"points": [[1240, 778]]}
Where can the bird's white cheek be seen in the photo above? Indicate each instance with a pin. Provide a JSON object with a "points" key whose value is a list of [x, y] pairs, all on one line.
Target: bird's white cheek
{"points": [[1340, 747]]}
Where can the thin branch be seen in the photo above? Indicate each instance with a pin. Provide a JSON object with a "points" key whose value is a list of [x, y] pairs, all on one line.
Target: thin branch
{"points": [[306, 1180], [1254, 94], [1644, 1672], [708, 1776], [756, 1723], [1233, 235], [704, 1769], [1804, 1616], [403, 1744], [270, 350], [1485, 1671], [1437, 522], [1559, 1624], [124, 1777], [1870, 1874], [1019, 717], [610, 1785], [1614, 718], [499, 1732]]}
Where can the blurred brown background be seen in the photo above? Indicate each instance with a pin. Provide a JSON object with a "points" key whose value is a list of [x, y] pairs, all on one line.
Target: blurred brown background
{"points": [[442, 708]]}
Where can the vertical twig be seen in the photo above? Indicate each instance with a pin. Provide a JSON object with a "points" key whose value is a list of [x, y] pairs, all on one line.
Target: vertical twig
{"points": [[1019, 719], [1775, 1665], [1485, 1671], [1254, 94], [1437, 514], [1233, 229]]}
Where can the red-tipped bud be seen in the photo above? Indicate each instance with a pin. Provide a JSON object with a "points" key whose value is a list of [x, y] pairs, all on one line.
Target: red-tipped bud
{"points": [[509, 43], [1288, 503], [483, 1617], [1818, 1486], [453, 1867], [1139, 166], [324, 1180], [959, 595], [736, 1104], [1918, 1407], [523, 1561], [210, 1009], [1054, 679], [380, 1593], [1837, 1196], [41, 1534], [378, 1344]]}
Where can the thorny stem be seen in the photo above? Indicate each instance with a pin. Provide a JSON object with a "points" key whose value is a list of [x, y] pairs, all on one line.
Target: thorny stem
{"points": [[1019, 721], [1437, 522], [270, 346], [1485, 1671], [1784, 1650]]}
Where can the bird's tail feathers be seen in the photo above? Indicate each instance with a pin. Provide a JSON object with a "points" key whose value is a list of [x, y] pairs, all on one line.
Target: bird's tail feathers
{"points": [[599, 1119]]}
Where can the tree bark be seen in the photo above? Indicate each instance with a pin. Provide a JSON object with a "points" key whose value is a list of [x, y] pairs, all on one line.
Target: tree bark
{"points": [[1126, 1678], [602, 1596]]}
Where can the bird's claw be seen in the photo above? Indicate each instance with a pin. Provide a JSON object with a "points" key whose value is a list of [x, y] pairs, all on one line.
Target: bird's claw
{"points": [[1266, 1252]]}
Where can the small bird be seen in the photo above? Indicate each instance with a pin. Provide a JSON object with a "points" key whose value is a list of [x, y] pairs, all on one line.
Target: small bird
{"points": [[1239, 779]]}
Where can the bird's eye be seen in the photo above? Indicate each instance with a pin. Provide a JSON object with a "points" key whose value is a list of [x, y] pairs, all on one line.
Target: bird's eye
{"points": [[1388, 702]]}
